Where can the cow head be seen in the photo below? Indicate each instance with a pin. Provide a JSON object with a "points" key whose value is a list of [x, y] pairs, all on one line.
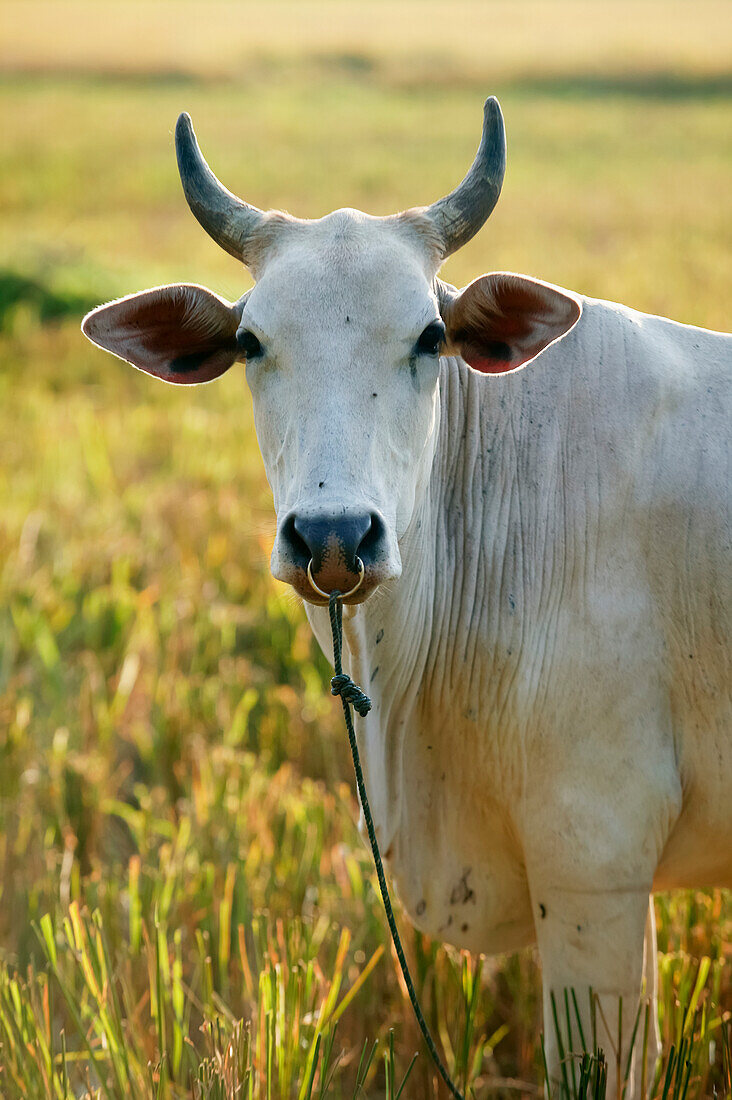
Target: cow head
{"points": [[341, 336]]}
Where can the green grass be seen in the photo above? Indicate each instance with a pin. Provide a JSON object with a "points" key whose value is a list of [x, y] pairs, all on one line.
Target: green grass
{"points": [[617, 195], [186, 904]]}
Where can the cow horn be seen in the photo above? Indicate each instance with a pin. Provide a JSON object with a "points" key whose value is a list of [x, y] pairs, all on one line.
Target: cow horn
{"points": [[459, 216], [227, 219]]}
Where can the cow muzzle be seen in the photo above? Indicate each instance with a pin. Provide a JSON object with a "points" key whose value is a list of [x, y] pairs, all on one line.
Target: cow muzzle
{"points": [[319, 553]]}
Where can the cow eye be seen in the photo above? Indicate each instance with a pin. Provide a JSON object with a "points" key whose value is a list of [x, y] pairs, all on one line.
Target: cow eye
{"points": [[431, 339], [248, 344]]}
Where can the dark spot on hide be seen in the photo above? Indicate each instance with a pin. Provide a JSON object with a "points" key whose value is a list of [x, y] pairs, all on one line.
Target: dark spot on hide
{"points": [[465, 927], [579, 927], [321, 484], [373, 674], [462, 893], [379, 636], [184, 363], [421, 906], [511, 601], [348, 319], [374, 395], [542, 910]]}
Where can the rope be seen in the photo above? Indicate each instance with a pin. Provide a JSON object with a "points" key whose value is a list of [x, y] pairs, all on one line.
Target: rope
{"points": [[351, 695]]}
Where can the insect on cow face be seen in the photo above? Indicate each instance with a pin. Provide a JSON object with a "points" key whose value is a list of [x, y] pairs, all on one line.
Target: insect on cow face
{"points": [[341, 337]]}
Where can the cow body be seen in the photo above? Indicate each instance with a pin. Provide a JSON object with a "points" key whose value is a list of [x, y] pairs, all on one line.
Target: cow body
{"points": [[551, 732], [563, 612], [537, 564]]}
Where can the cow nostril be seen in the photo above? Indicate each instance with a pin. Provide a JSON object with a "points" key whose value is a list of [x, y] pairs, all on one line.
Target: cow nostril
{"points": [[296, 543], [332, 543], [369, 545]]}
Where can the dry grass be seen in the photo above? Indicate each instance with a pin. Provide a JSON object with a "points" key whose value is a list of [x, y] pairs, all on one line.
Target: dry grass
{"points": [[168, 756], [474, 39]]}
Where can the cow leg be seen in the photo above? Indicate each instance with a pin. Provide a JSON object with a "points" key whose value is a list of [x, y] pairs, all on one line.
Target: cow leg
{"points": [[592, 939]]}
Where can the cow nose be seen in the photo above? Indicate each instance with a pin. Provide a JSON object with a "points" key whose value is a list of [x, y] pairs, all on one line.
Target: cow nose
{"points": [[332, 545]]}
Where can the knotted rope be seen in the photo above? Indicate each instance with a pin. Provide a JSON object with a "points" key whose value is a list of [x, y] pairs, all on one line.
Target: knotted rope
{"points": [[344, 686], [351, 695]]}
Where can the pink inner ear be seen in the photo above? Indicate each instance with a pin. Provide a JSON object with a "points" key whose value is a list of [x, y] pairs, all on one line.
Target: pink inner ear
{"points": [[182, 334], [501, 321], [502, 360]]}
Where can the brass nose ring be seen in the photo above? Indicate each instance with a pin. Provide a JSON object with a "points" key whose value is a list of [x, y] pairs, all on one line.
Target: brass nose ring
{"points": [[341, 595]]}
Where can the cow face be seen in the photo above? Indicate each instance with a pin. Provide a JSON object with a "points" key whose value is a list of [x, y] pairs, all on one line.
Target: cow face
{"points": [[344, 332], [341, 336]]}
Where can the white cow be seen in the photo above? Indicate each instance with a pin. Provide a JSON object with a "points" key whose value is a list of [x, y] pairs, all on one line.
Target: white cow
{"points": [[542, 624]]}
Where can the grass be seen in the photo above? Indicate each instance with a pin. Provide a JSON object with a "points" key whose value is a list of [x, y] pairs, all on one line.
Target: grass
{"points": [[186, 906]]}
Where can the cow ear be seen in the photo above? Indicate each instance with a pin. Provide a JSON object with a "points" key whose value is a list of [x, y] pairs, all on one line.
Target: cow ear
{"points": [[500, 321], [182, 333]]}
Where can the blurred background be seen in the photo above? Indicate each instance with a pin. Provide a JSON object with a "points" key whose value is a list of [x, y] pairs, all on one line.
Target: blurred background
{"points": [[186, 906]]}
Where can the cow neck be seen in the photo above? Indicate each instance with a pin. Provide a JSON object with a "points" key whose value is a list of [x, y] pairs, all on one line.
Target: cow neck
{"points": [[409, 643], [471, 479]]}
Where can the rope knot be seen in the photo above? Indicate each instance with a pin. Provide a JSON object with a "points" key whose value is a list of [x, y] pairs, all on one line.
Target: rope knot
{"points": [[344, 686]]}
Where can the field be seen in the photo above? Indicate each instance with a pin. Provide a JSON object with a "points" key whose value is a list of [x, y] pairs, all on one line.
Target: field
{"points": [[186, 904]]}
